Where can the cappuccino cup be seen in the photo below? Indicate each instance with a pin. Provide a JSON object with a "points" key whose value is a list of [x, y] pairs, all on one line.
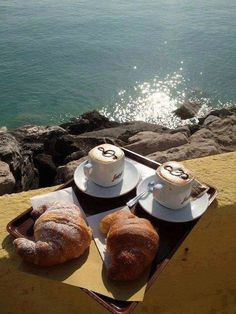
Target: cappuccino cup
{"points": [[174, 185], [105, 165]]}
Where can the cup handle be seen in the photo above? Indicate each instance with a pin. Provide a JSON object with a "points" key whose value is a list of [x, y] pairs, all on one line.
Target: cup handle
{"points": [[158, 186], [87, 169]]}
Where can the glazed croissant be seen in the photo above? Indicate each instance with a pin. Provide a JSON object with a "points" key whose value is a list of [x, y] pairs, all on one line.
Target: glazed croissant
{"points": [[132, 244], [60, 233]]}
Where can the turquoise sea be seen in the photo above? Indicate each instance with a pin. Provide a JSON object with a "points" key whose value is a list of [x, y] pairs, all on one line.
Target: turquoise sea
{"points": [[129, 59]]}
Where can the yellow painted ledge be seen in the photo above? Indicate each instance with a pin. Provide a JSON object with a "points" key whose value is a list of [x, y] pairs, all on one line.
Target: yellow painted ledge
{"points": [[203, 280]]}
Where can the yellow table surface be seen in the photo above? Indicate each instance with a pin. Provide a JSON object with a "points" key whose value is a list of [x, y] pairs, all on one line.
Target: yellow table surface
{"points": [[201, 280]]}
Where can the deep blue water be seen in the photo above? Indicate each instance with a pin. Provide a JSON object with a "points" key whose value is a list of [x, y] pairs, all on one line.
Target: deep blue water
{"points": [[129, 59]]}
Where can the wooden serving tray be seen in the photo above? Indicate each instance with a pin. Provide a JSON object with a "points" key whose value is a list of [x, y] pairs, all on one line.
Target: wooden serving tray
{"points": [[171, 234]]}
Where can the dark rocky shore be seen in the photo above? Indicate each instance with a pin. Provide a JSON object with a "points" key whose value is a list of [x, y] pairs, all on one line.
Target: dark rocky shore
{"points": [[38, 156]]}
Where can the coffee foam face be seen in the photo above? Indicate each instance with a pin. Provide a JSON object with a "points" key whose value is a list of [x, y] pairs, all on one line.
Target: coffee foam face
{"points": [[106, 153], [175, 172]]}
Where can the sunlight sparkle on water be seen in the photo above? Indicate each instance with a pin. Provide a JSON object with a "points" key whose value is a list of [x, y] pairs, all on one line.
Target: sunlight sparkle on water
{"points": [[154, 102]]}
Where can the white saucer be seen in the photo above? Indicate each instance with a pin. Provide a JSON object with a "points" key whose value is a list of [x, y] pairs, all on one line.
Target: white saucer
{"points": [[189, 212], [129, 182]]}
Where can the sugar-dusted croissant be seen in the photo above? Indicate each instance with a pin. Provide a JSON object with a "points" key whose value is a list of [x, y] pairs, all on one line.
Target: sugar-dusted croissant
{"points": [[60, 233], [132, 244]]}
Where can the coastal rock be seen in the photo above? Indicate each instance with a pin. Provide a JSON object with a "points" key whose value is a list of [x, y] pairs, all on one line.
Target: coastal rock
{"points": [[28, 178], [81, 144], [187, 151], [224, 131], [63, 146], [10, 151], [211, 118], [66, 172], [75, 156], [201, 135], [126, 130], [217, 114], [188, 110], [77, 126], [19, 161], [87, 122], [35, 133], [68, 144], [38, 138], [146, 143], [223, 112], [185, 129], [194, 128], [98, 121], [7, 180], [46, 169]]}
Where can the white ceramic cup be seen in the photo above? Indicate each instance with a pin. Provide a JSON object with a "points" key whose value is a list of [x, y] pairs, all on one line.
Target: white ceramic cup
{"points": [[105, 165], [174, 185]]}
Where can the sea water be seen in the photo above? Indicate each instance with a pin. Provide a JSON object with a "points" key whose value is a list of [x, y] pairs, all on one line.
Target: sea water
{"points": [[131, 60]]}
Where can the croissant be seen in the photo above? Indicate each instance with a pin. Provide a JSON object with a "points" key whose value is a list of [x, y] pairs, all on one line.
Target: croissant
{"points": [[132, 244], [110, 219], [60, 233]]}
